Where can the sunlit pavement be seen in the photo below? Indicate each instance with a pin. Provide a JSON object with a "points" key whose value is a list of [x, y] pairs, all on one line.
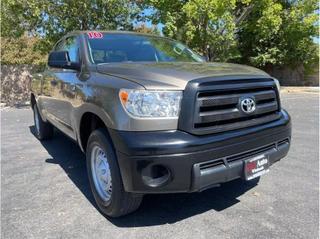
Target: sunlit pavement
{"points": [[45, 191]]}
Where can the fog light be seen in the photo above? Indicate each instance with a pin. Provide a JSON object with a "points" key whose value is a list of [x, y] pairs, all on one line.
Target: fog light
{"points": [[155, 175]]}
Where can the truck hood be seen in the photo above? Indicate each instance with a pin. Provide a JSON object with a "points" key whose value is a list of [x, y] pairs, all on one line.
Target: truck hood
{"points": [[174, 76]]}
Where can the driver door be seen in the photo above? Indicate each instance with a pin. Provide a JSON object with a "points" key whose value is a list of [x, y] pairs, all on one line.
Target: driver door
{"points": [[62, 88]]}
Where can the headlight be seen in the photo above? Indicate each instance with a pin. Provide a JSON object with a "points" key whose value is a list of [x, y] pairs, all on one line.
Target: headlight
{"points": [[151, 104]]}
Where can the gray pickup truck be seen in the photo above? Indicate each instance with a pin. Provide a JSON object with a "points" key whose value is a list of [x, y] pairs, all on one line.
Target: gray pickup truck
{"points": [[153, 117]]}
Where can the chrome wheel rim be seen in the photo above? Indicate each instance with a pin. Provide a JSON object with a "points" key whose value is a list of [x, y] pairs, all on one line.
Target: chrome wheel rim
{"points": [[101, 173], [36, 120]]}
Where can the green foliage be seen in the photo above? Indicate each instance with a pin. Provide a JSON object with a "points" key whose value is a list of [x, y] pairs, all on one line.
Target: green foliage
{"points": [[255, 32], [280, 33], [211, 22], [208, 26], [142, 28], [51, 19], [22, 50], [18, 17], [68, 15]]}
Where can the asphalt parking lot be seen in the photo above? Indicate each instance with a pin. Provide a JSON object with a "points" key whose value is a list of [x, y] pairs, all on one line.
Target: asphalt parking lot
{"points": [[45, 191]]}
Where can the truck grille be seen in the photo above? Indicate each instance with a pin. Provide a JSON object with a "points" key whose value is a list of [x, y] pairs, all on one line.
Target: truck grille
{"points": [[217, 105]]}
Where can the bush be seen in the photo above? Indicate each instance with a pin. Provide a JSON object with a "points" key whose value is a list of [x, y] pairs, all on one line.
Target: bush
{"points": [[20, 58], [21, 51]]}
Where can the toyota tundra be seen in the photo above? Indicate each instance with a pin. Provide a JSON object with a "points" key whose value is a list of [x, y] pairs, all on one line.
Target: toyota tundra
{"points": [[152, 116]]}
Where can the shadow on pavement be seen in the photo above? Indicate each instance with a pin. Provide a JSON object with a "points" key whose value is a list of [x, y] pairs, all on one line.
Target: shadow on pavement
{"points": [[155, 209]]}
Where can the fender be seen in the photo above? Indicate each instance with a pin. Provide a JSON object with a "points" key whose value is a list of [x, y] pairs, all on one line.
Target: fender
{"points": [[88, 108]]}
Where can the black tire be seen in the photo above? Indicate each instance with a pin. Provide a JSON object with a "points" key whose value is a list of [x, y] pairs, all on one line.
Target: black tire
{"points": [[120, 202], [43, 130]]}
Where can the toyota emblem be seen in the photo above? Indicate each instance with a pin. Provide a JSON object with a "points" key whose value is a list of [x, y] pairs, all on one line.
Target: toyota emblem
{"points": [[248, 105]]}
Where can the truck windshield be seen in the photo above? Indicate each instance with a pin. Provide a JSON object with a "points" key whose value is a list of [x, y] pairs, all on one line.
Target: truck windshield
{"points": [[121, 47]]}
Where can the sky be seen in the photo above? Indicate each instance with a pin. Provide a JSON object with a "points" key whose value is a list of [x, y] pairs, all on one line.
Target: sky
{"points": [[148, 12]]}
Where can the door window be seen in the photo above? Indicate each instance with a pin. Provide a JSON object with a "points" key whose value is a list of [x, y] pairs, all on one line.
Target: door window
{"points": [[69, 44], [72, 47]]}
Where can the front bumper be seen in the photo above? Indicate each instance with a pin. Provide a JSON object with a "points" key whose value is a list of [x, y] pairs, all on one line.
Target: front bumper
{"points": [[194, 162]]}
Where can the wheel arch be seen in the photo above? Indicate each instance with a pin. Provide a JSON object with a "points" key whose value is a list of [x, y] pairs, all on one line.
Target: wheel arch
{"points": [[89, 120]]}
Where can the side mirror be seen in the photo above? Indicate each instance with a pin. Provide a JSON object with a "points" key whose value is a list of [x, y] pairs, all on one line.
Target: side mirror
{"points": [[61, 59]]}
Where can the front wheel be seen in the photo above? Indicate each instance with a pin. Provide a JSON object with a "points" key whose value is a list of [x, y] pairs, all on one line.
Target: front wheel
{"points": [[105, 179]]}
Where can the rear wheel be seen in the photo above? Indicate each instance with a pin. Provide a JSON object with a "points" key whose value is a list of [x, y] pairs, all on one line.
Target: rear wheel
{"points": [[105, 179], [43, 130]]}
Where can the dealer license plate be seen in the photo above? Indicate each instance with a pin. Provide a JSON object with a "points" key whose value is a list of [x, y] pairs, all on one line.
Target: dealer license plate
{"points": [[256, 166]]}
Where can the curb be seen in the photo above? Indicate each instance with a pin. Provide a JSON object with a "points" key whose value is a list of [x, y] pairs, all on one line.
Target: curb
{"points": [[17, 105], [299, 89]]}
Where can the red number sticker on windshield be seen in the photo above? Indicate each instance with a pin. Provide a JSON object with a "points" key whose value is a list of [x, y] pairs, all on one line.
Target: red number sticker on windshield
{"points": [[93, 35]]}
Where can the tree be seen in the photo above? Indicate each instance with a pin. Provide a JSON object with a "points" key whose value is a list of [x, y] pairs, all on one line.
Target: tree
{"points": [[21, 50], [18, 17], [208, 26], [51, 19], [66, 15], [143, 28], [280, 33], [256, 32]]}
